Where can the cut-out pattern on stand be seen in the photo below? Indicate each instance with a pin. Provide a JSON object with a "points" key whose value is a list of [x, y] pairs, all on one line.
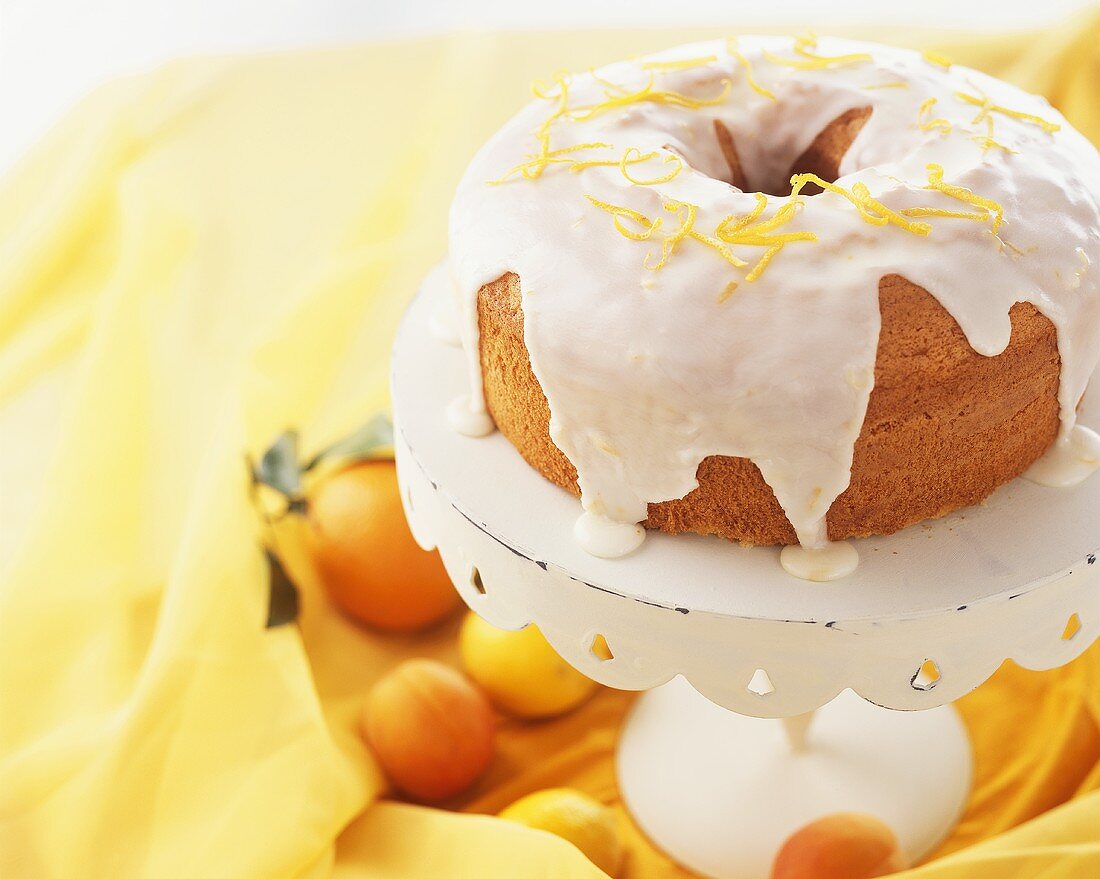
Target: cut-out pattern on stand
{"points": [[761, 684], [804, 665], [601, 650], [927, 676]]}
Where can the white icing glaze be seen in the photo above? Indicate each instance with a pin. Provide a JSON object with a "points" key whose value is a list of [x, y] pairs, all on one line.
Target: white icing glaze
{"points": [[469, 419], [443, 323], [647, 373], [1070, 461], [831, 561], [605, 538]]}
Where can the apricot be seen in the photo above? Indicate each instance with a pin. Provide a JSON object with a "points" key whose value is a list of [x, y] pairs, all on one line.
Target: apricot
{"points": [[430, 728], [366, 556], [844, 845]]}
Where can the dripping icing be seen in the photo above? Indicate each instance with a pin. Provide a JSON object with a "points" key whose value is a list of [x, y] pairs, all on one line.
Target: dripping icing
{"points": [[468, 418], [830, 561], [443, 324], [605, 538], [1070, 461], [621, 350]]}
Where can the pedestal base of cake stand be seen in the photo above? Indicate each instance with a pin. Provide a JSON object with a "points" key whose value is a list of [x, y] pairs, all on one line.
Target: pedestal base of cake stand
{"points": [[720, 792]]}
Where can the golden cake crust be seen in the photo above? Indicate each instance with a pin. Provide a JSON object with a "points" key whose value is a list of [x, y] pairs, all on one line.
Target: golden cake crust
{"points": [[944, 428]]}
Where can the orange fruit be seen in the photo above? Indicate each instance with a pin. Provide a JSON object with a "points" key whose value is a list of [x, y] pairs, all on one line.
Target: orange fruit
{"points": [[430, 728], [843, 845], [365, 554]]}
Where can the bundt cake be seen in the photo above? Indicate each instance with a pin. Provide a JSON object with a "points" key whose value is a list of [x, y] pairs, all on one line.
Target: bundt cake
{"points": [[781, 290]]}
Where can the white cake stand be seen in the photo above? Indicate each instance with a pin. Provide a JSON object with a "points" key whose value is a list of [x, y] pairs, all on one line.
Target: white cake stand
{"points": [[928, 616]]}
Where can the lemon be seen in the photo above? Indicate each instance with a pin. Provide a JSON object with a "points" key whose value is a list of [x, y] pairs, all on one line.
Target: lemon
{"points": [[520, 671], [576, 817]]}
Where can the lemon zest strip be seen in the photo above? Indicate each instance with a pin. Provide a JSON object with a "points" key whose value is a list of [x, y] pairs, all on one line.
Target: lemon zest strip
{"points": [[764, 262], [563, 156], [668, 246], [871, 210], [543, 91], [685, 64], [619, 212], [576, 167], [719, 247], [926, 124], [543, 133], [799, 181], [626, 161], [808, 60], [731, 225], [579, 166], [744, 232], [768, 240], [648, 94], [943, 212], [860, 191], [750, 76], [537, 164], [607, 83], [937, 58], [727, 292], [987, 106], [987, 142], [578, 147], [534, 169], [895, 84], [935, 181], [784, 215]]}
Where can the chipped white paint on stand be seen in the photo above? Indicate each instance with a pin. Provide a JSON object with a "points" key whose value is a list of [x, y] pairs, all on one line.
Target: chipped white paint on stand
{"points": [[720, 790]]}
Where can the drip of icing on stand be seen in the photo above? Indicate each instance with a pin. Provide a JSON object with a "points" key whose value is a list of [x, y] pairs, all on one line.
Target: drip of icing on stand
{"points": [[605, 538], [1070, 461], [468, 419], [820, 564]]}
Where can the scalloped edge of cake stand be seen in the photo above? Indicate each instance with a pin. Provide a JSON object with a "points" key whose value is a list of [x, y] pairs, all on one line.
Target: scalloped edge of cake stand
{"points": [[657, 630]]}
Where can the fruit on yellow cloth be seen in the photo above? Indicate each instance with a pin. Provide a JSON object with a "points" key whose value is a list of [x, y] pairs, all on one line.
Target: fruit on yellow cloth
{"points": [[365, 554], [844, 845], [520, 671], [575, 816], [430, 728]]}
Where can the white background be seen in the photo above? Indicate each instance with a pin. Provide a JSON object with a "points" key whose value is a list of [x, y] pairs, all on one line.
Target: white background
{"points": [[54, 51]]}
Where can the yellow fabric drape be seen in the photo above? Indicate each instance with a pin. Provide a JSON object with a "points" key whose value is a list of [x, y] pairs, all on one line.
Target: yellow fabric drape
{"points": [[195, 260]]}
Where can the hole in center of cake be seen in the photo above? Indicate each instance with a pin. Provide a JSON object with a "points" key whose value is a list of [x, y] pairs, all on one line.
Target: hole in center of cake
{"points": [[821, 158]]}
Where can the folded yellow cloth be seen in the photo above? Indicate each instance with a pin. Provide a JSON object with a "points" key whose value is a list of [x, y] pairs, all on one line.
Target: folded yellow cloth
{"points": [[199, 258]]}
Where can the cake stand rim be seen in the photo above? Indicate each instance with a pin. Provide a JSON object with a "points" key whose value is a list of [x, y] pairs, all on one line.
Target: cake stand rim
{"points": [[995, 598], [1007, 594]]}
